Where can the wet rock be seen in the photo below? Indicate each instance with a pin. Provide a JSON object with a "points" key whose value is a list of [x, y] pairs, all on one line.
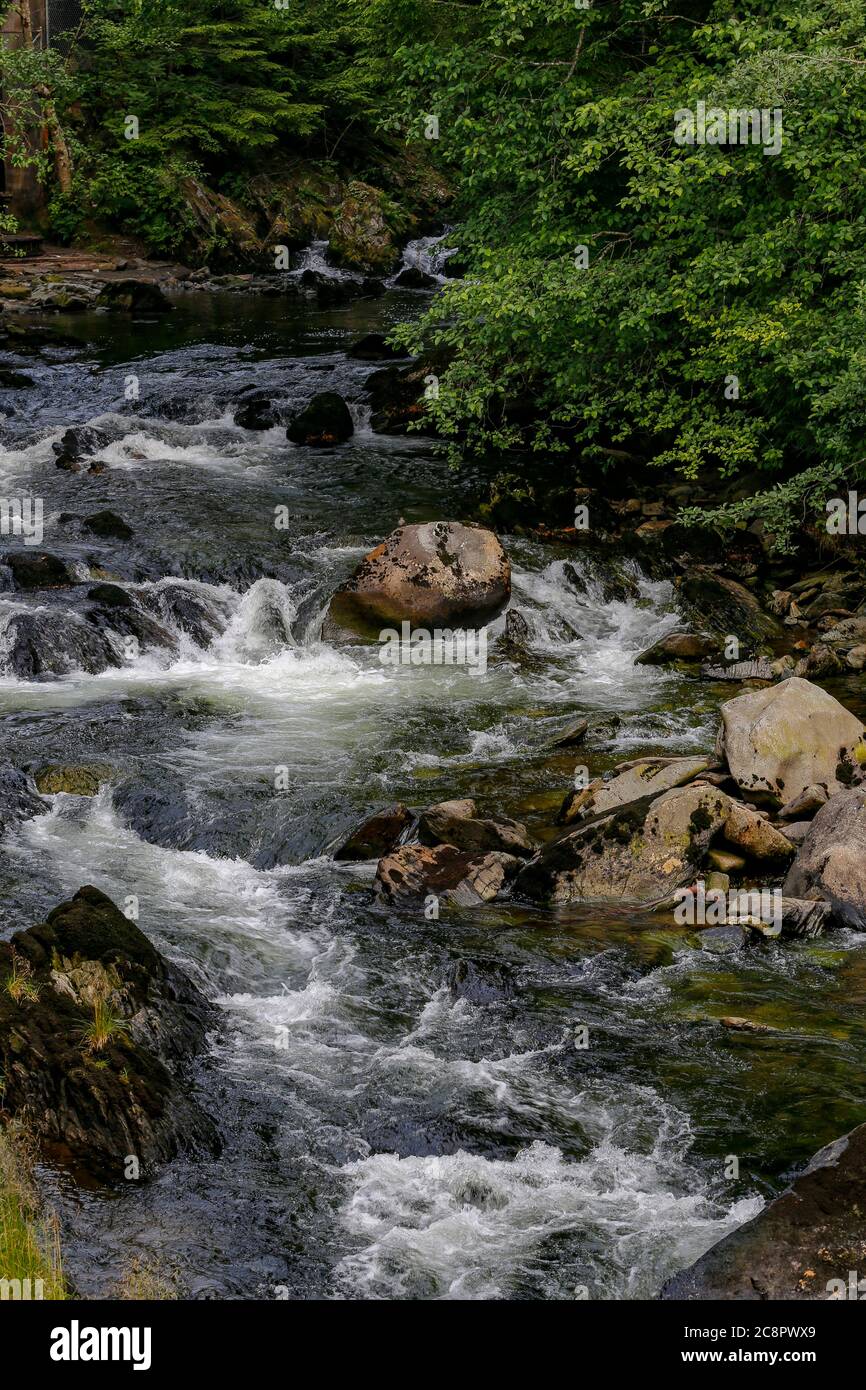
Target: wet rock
{"points": [[398, 395], [182, 605], [725, 607], [326, 420], [648, 778], [78, 444], [108, 525], [735, 1024], [791, 736], [678, 646], [377, 835], [11, 380], [36, 569], [134, 297], [110, 596], [374, 347], [75, 779], [437, 575], [643, 851], [831, 862], [465, 879], [448, 824], [412, 278], [258, 413], [36, 645], [19, 799], [96, 1030], [801, 1246], [575, 734]]}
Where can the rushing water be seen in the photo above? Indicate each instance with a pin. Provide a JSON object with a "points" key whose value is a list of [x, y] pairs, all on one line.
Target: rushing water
{"points": [[405, 1108]]}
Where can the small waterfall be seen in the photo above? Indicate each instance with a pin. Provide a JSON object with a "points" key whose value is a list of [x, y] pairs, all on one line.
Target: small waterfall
{"points": [[427, 254]]}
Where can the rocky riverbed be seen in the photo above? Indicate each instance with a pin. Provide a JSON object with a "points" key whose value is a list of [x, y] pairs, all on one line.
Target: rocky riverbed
{"points": [[461, 970]]}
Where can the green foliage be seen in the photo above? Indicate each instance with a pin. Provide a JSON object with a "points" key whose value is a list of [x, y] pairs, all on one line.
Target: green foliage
{"points": [[705, 262], [212, 84]]}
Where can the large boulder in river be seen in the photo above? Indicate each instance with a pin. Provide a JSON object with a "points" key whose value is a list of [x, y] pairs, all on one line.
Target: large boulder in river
{"points": [[361, 236], [437, 575], [803, 1245], [97, 1031], [326, 420], [783, 739], [465, 878], [724, 606], [831, 863], [643, 851], [38, 644], [37, 569]]}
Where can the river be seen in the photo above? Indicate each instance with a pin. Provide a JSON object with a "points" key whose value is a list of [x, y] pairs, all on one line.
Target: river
{"points": [[407, 1110]]}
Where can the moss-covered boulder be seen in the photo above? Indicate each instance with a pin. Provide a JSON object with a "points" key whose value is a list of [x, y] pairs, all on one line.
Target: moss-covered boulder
{"points": [[364, 230], [97, 1033]]}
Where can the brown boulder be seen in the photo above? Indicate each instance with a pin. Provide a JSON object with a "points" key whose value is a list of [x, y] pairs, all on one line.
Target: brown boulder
{"points": [[440, 574]]}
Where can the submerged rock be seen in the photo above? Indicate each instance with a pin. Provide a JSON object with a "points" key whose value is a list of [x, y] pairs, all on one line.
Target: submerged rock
{"points": [[803, 1245], [19, 799], [791, 736], [76, 779], [326, 420], [134, 297], [96, 1029], [377, 835], [374, 347], [108, 525], [78, 444], [466, 879], [831, 862], [437, 575]]}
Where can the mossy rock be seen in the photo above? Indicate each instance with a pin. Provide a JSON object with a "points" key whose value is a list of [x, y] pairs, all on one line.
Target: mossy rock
{"points": [[76, 779]]}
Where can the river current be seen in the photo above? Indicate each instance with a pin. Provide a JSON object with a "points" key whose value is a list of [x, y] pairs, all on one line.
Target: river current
{"points": [[406, 1106]]}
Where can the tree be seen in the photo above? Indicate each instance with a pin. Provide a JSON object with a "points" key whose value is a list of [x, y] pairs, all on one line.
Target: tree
{"points": [[698, 305]]}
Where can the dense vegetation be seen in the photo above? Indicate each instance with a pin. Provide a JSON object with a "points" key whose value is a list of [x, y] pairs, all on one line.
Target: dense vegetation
{"points": [[693, 307], [705, 263], [217, 88]]}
